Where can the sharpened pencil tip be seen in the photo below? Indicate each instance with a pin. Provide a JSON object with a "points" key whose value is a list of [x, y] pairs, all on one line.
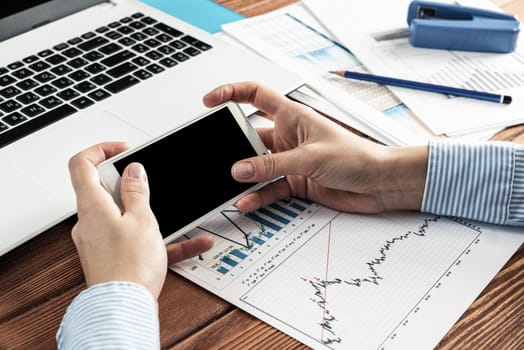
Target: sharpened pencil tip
{"points": [[337, 72]]}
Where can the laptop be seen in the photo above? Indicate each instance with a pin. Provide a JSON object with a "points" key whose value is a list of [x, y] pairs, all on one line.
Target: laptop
{"points": [[77, 72]]}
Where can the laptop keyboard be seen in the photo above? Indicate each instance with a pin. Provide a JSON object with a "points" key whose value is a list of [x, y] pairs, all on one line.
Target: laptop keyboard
{"points": [[55, 83]]}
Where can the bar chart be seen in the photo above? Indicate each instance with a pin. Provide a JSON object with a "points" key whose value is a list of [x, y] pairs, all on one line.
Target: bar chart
{"points": [[240, 238]]}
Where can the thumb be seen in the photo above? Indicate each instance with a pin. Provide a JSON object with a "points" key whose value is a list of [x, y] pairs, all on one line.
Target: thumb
{"points": [[134, 189], [268, 166]]}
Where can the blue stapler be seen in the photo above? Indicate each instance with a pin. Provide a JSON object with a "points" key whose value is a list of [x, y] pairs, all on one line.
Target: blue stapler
{"points": [[454, 27]]}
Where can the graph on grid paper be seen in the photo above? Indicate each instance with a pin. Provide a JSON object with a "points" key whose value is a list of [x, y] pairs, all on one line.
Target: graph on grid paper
{"points": [[341, 281]]}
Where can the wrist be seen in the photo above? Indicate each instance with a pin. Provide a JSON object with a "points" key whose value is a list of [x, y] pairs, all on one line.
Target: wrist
{"points": [[402, 175]]}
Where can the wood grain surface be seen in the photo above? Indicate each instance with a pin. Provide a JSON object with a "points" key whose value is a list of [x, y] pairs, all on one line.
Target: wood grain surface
{"points": [[39, 279]]}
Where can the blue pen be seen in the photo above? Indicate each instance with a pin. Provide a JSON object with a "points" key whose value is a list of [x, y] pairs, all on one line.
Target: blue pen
{"points": [[479, 95]]}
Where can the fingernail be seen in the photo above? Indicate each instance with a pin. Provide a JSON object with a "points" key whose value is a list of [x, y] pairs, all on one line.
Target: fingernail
{"points": [[136, 171], [243, 170]]}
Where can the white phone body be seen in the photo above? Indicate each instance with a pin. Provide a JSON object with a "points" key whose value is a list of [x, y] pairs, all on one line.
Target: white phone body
{"points": [[189, 168]]}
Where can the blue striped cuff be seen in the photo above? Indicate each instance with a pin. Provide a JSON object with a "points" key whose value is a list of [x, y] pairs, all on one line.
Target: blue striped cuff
{"points": [[480, 181], [111, 315]]}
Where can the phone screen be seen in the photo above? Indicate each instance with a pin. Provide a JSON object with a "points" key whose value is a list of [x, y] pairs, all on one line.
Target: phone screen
{"points": [[189, 171]]}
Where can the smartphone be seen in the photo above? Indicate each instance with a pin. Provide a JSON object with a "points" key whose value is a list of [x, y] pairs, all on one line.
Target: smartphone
{"points": [[189, 168]]}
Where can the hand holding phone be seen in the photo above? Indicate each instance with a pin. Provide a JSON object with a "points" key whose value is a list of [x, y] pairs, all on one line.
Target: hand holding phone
{"points": [[189, 168]]}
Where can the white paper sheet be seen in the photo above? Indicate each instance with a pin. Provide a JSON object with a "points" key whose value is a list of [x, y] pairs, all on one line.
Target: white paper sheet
{"points": [[294, 39], [357, 24], [331, 280]]}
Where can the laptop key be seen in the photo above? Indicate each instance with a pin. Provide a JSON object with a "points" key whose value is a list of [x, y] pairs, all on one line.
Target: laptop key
{"points": [[3, 126], [142, 74], [44, 77], [77, 62], [27, 98], [168, 30], [68, 94], [27, 84], [191, 51], [14, 119], [168, 62], [93, 43], [45, 90], [72, 52], [60, 47], [61, 69], [85, 86], [99, 95], [93, 56], [15, 65], [39, 66], [56, 59], [137, 15], [3, 70], [9, 106], [51, 102], [137, 25], [45, 53], [62, 83], [117, 58], [155, 68], [121, 70], [122, 84], [30, 59], [140, 61], [110, 48], [32, 125], [6, 80], [79, 75], [23, 73], [82, 102], [95, 68], [10, 91], [101, 79], [32, 110]]}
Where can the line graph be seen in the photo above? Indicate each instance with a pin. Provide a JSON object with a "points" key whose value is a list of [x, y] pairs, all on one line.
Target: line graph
{"points": [[335, 280], [338, 274]]}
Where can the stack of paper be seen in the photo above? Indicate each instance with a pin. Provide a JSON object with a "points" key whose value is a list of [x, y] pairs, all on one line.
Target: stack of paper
{"points": [[361, 27]]}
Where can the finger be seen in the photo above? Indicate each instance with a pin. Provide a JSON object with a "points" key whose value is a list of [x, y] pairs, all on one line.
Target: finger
{"points": [[263, 197], [188, 249], [134, 189], [269, 166], [266, 135], [261, 97], [82, 168]]}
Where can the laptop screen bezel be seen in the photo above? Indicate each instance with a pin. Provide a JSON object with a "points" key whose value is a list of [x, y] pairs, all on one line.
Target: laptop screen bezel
{"points": [[42, 14]]}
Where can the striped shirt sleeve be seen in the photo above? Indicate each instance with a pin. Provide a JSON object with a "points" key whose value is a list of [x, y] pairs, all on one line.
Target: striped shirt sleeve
{"points": [[481, 181], [113, 315]]}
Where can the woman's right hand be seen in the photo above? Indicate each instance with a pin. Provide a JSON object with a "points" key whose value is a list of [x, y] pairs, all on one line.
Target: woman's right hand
{"points": [[321, 160]]}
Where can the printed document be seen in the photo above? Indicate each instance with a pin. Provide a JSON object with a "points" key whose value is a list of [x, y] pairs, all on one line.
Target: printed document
{"points": [[333, 280], [377, 32]]}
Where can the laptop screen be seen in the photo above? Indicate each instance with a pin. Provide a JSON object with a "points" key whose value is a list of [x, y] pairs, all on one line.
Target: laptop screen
{"points": [[19, 16], [11, 7]]}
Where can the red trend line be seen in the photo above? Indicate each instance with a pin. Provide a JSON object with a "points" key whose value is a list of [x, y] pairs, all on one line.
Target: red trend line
{"points": [[325, 279]]}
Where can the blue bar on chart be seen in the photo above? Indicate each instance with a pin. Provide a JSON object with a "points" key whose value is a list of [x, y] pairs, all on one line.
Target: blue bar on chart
{"points": [[295, 205], [229, 261], [257, 240], [283, 210], [222, 270], [273, 215], [238, 254], [263, 221]]}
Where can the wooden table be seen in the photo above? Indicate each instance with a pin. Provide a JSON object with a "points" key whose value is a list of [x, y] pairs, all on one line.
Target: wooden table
{"points": [[39, 279]]}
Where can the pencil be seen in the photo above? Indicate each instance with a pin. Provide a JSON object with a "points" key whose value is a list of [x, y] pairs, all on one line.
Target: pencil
{"points": [[479, 95]]}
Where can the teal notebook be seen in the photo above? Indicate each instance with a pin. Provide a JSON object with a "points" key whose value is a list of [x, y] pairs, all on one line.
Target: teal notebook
{"points": [[204, 14]]}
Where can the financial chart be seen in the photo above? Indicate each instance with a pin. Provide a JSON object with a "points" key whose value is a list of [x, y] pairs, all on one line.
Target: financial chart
{"points": [[341, 281]]}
